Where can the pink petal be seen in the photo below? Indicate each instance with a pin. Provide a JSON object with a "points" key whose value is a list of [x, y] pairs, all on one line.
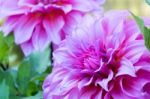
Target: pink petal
{"points": [[40, 38], [132, 89], [53, 27], [27, 47], [10, 24], [126, 68], [74, 94], [98, 95], [87, 93], [105, 81], [24, 28], [84, 5], [85, 82], [72, 19], [9, 8], [134, 50]]}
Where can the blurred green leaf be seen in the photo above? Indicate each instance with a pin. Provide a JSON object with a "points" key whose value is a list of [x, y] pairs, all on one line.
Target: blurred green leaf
{"points": [[31, 73], [15, 56], [42, 76], [4, 49], [7, 76], [148, 1], [139, 22], [144, 30], [37, 96], [147, 37], [9, 40], [8, 50], [27, 79], [4, 90], [32, 88], [23, 77], [40, 61]]}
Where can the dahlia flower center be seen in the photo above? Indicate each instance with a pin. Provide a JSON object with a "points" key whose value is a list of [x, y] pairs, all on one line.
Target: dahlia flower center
{"points": [[93, 60], [100, 63], [90, 59]]}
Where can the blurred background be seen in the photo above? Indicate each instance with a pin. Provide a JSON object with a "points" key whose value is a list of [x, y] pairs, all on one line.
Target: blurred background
{"points": [[138, 7]]}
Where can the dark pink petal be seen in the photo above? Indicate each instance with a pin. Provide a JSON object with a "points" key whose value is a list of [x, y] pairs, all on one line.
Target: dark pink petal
{"points": [[98, 94], [132, 89], [40, 38], [53, 27], [104, 82], [87, 93]]}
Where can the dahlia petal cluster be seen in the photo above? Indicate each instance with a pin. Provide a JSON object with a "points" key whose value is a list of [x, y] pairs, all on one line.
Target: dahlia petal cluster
{"points": [[104, 60], [36, 23]]}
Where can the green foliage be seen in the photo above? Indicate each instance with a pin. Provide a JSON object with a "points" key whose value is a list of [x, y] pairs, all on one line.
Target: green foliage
{"points": [[24, 81], [144, 30], [5, 47], [23, 76], [148, 2], [43, 60], [4, 92], [9, 49], [30, 71], [37, 96], [6, 76]]}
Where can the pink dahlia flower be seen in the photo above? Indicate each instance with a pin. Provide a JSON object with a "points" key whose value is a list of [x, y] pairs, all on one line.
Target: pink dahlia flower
{"points": [[35, 23], [107, 60]]}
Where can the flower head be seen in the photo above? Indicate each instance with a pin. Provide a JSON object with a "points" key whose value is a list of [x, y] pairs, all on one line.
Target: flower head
{"points": [[35, 23], [106, 60]]}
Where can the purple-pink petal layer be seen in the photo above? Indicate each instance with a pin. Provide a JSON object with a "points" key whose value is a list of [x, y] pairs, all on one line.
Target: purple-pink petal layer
{"points": [[104, 60], [38, 22]]}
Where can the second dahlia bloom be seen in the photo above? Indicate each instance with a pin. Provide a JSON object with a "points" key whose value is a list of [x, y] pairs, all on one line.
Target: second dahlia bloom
{"points": [[35, 23], [106, 60]]}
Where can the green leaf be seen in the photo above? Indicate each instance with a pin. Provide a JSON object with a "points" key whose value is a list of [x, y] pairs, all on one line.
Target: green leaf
{"points": [[148, 1], [40, 61], [8, 50], [37, 96], [4, 48], [23, 76], [15, 56], [144, 30], [4, 90], [32, 88], [139, 22], [6, 44], [9, 40], [10, 81], [31, 73], [147, 37]]}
